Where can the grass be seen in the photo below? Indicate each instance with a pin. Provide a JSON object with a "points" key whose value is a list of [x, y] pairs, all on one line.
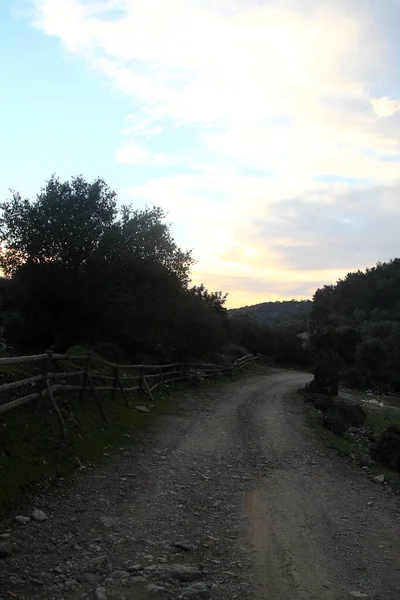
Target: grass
{"points": [[33, 455], [32, 452]]}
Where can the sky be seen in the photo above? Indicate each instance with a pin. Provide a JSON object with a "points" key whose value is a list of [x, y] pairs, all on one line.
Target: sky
{"points": [[268, 130]]}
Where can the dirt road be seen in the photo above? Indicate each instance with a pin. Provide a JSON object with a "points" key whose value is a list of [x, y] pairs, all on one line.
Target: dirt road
{"points": [[236, 492]]}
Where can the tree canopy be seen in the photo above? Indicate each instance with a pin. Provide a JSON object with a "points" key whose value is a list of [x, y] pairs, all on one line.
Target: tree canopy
{"points": [[359, 320], [80, 270]]}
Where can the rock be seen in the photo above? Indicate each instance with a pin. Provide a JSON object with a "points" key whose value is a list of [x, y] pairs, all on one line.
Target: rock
{"points": [[71, 583], [5, 536], [119, 574], [379, 478], [187, 546], [366, 461], [196, 591], [107, 521], [100, 593], [180, 572], [134, 568], [91, 578], [39, 515], [155, 589], [99, 561], [150, 569], [5, 550], [357, 594], [22, 520], [139, 579], [142, 409]]}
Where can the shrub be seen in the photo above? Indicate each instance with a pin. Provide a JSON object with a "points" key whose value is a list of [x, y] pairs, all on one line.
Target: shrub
{"points": [[355, 378], [320, 401], [387, 447], [326, 376], [352, 413], [109, 351], [334, 422]]}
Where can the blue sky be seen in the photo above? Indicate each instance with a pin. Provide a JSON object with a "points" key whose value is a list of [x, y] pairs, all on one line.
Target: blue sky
{"points": [[269, 130]]}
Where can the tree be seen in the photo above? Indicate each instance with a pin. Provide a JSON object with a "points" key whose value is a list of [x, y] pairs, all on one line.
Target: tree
{"points": [[215, 300], [82, 272], [144, 236], [64, 226]]}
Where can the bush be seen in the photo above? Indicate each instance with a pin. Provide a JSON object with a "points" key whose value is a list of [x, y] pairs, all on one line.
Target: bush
{"points": [[334, 422], [352, 413], [326, 376], [387, 447], [320, 401], [355, 378], [109, 351]]}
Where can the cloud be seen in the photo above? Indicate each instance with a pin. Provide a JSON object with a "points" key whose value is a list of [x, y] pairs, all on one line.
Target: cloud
{"points": [[293, 112], [353, 230], [385, 107], [134, 153]]}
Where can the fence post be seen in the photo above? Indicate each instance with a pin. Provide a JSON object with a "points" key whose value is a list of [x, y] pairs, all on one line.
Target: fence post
{"points": [[52, 399], [85, 377], [115, 382], [98, 400], [142, 379], [161, 379], [147, 389], [121, 386]]}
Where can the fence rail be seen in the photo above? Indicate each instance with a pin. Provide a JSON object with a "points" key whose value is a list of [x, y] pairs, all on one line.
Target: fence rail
{"points": [[145, 378]]}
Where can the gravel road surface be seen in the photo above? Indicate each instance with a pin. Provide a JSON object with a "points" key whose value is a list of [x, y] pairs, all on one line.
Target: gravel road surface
{"points": [[231, 496]]}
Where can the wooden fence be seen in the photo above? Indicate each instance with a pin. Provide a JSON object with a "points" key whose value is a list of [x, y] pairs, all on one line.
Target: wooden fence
{"points": [[91, 373]]}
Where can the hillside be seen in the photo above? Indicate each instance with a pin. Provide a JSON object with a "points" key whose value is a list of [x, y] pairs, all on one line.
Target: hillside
{"points": [[273, 313]]}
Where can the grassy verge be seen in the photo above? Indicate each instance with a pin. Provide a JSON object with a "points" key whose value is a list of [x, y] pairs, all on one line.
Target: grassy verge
{"points": [[354, 445], [33, 455], [32, 452]]}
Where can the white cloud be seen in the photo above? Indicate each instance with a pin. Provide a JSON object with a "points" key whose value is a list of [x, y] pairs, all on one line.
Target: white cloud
{"points": [[385, 107], [303, 91], [134, 153]]}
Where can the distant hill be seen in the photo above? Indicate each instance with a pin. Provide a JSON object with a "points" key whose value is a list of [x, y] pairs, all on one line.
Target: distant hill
{"points": [[287, 312]]}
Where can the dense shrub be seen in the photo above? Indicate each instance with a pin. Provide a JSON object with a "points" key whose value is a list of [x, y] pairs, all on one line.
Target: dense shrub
{"points": [[326, 376], [355, 377], [386, 449], [334, 422], [320, 401]]}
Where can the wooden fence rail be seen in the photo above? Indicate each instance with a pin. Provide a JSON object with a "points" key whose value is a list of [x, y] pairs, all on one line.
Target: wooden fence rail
{"points": [[146, 378]]}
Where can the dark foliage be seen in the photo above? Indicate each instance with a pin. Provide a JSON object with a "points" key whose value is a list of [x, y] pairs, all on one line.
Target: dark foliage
{"points": [[79, 271], [358, 319], [351, 412], [319, 401], [326, 375], [281, 341], [288, 313], [335, 422], [386, 449]]}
